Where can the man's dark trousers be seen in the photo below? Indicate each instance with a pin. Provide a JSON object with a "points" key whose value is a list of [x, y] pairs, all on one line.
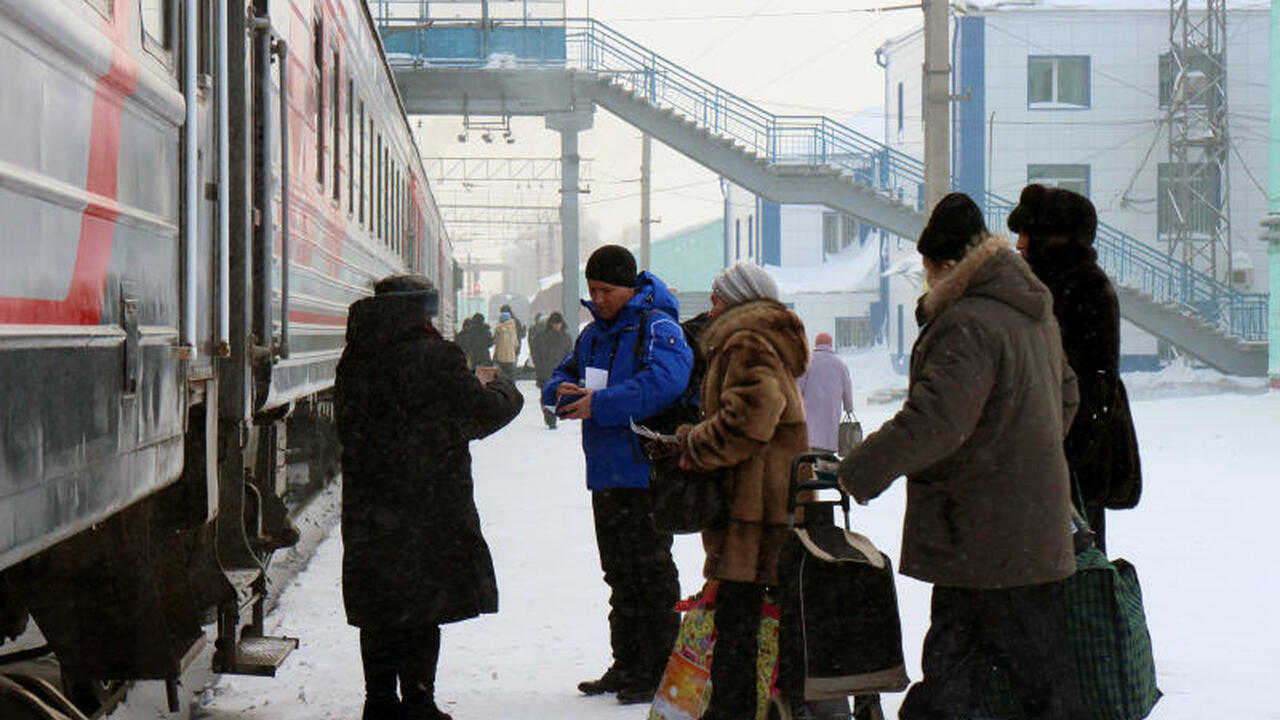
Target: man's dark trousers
{"points": [[643, 581], [1020, 630]]}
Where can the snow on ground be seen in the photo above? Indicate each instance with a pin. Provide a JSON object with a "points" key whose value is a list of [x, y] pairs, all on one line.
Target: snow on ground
{"points": [[1202, 541]]}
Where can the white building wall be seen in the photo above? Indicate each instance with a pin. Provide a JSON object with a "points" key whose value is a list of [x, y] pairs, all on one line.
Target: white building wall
{"points": [[802, 234], [1121, 134]]}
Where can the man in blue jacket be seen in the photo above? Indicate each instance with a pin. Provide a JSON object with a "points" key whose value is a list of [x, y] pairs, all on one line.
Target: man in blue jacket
{"points": [[630, 363]]}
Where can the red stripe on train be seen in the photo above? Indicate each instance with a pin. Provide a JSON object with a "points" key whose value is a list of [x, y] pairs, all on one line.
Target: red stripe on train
{"points": [[83, 302]]}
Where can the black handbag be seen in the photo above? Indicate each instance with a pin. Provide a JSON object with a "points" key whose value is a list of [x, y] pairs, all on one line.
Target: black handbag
{"points": [[848, 435], [683, 501]]}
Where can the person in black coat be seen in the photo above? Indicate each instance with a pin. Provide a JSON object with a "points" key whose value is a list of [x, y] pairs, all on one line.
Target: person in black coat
{"points": [[475, 338], [1056, 229], [548, 346], [414, 557]]}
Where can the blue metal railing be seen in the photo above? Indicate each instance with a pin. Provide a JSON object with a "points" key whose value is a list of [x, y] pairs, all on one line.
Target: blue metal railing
{"points": [[1139, 266], [806, 140]]}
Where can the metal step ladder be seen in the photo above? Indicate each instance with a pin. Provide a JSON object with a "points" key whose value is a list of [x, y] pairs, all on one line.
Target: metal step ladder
{"points": [[241, 647]]}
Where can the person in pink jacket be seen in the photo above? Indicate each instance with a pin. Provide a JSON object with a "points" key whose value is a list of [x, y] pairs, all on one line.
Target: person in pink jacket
{"points": [[827, 388]]}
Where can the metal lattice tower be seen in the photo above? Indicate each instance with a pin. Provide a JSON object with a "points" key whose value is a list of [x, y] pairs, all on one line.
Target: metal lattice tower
{"points": [[1196, 205]]}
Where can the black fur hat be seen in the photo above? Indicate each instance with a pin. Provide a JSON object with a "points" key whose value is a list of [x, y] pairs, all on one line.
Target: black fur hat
{"points": [[612, 264], [1054, 214], [415, 290], [954, 226]]}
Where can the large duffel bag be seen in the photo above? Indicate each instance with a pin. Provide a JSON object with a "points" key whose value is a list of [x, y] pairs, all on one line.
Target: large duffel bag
{"points": [[1107, 630]]}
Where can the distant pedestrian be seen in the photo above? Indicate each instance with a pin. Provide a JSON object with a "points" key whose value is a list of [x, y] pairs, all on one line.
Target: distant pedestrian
{"points": [[413, 556], [520, 328], [506, 343], [475, 339], [753, 425], [827, 389], [629, 363], [979, 438], [549, 345], [1056, 230]]}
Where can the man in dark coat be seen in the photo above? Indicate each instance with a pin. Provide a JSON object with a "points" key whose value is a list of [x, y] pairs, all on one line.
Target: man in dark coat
{"points": [[414, 557], [475, 339], [988, 492], [549, 345], [1056, 230]]}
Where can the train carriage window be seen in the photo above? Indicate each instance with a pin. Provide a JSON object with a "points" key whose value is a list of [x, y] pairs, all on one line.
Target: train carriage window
{"points": [[351, 147], [156, 23], [105, 7], [336, 74], [375, 182], [363, 185], [317, 56]]}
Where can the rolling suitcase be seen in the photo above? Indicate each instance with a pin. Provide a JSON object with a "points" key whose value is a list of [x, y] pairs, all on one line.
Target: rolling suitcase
{"points": [[839, 630]]}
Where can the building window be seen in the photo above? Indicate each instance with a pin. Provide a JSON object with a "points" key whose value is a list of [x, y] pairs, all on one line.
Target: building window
{"points": [[1199, 82], [751, 235], [1200, 208], [901, 115], [848, 230], [1058, 81], [1068, 177], [830, 233], [853, 332], [737, 238]]}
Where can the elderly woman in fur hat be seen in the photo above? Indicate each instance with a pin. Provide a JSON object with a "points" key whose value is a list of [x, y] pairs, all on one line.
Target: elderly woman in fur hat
{"points": [[979, 438], [1055, 230], [753, 425]]}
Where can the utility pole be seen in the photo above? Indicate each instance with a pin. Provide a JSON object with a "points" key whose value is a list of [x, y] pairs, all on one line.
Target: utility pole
{"points": [[1272, 221], [646, 152], [937, 103]]}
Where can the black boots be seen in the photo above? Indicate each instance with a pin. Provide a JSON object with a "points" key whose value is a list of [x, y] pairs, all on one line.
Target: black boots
{"points": [[406, 657], [613, 680], [381, 707], [631, 687]]}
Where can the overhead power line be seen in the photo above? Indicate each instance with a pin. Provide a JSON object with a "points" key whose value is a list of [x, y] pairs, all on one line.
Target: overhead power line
{"points": [[752, 16]]}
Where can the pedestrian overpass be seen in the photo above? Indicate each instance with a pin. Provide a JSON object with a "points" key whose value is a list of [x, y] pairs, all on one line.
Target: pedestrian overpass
{"points": [[563, 69]]}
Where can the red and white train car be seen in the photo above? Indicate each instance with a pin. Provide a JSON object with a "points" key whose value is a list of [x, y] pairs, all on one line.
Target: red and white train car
{"points": [[193, 192]]}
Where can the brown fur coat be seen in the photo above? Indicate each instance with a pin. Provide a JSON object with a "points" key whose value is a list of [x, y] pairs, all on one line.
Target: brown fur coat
{"points": [[753, 425]]}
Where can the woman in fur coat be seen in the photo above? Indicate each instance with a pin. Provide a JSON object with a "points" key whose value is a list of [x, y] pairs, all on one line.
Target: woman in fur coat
{"points": [[753, 425]]}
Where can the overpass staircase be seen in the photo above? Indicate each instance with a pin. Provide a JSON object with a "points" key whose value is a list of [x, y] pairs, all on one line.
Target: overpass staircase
{"points": [[547, 67]]}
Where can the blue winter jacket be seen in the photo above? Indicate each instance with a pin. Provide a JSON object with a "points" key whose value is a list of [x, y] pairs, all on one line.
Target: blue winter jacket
{"points": [[642, 380]]}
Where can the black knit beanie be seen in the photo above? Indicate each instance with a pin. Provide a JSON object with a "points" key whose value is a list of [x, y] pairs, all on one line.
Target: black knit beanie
{"points": [[612, 264], [955, 225], [1054, 214]]}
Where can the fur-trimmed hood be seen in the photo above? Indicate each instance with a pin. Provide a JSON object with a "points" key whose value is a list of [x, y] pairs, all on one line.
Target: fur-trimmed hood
{"points": [[991, 270], [782, 328]]}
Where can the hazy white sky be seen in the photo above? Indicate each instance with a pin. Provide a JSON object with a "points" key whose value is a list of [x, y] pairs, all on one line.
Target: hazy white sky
{"points": [[789, 56]]}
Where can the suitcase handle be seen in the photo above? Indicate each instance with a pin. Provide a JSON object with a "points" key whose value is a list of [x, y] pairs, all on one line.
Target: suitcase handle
{"points": [[825, 466]]}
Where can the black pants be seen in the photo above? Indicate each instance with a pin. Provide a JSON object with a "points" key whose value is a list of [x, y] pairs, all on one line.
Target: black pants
{"points": [[406, 655], [733, 661], [548, 416], [643, 582], [1021, 630], [1096, 515]]}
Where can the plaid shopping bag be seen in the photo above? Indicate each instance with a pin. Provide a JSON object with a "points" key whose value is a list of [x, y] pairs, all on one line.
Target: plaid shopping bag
{"points": [[685, 689], [1107, 629]]}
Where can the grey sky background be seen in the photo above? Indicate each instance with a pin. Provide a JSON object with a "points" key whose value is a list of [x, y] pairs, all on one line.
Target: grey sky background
{"points": [[789, 56]]}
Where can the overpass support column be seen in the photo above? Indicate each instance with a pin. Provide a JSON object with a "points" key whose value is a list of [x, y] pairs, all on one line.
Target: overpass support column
{"points": [[569, 125]]}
